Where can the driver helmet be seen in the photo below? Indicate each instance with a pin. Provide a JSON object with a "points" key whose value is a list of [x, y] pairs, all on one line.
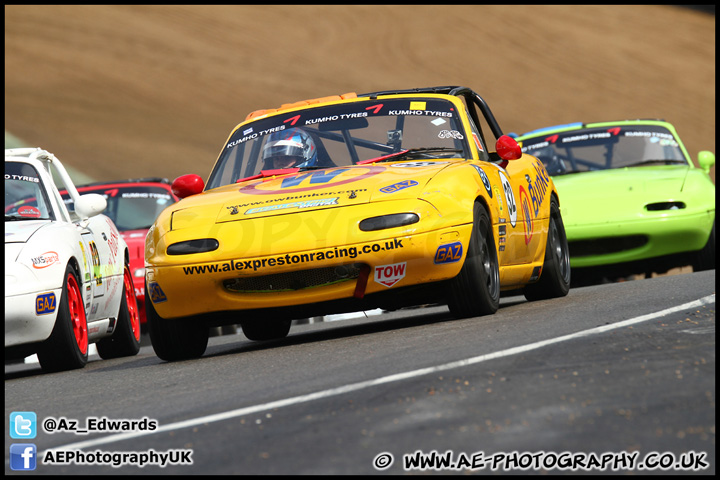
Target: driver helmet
{"points": [[289, 148]]}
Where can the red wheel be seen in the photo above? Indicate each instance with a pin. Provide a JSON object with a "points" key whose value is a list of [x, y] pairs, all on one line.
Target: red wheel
{"points": [[77, 314], [131, 302], [67, 346]]}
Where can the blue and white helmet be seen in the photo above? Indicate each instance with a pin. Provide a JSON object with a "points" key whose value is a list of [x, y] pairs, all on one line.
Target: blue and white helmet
{"points": [[291, 143]]}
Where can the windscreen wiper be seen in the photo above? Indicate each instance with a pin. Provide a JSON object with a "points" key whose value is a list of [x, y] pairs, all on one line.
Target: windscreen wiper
{"points": [[409, 153], [15, 218], [662, 161], [269, 173]]}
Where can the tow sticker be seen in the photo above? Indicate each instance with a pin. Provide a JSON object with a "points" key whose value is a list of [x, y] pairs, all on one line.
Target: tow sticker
{"points": [[389, 275]]}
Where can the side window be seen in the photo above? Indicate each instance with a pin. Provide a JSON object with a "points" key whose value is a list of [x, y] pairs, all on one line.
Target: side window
{"points": [[478, 140]]}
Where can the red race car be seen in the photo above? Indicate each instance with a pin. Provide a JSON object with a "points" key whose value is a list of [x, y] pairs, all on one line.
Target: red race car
{"points": [[133, 205]]}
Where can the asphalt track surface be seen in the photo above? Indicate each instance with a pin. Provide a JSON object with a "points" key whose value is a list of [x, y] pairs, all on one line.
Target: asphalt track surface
{"points": [[620, 372]]}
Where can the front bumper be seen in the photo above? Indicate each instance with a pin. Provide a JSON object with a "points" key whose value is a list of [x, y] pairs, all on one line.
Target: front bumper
{"points": [[638, 239], [395, 262], [23, 323]]}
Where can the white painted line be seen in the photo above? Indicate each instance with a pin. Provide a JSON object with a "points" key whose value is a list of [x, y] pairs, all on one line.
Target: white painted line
{"points": [[379, 381]]}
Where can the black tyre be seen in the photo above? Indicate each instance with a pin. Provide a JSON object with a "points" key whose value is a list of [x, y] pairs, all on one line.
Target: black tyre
{"points": [[260, 331], [705, 258], [476, 289], [555, 276], [125, 340], [175, 339], [67, 346]]}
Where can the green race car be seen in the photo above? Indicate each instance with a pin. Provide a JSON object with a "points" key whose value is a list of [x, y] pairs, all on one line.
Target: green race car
{"points": [[633, 201]]}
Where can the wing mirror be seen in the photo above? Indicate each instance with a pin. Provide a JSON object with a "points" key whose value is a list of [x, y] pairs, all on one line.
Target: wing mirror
{"points": [[89, 205], [187, 185], [706, 160], [507, 148]]}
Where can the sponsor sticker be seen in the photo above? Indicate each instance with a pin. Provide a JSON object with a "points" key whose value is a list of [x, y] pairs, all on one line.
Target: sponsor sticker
{"points": [[156, 293], [449, 253], [485, 179], [29, 211], [415, 164], [46, 259], [389, 275], [398, 186], [45, 303]]}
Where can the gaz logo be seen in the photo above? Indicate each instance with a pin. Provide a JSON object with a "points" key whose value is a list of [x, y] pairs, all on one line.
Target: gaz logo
{"points": [[45, 303], [389, 275], [398, 186], [156, 293], [449, 253]]}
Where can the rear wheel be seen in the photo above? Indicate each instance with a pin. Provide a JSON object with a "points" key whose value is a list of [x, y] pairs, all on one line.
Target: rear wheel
{"points": [[476, 289], [175, 339], [67, 347], [260, 331], [555, 276], [705, 258], [125, 340]]}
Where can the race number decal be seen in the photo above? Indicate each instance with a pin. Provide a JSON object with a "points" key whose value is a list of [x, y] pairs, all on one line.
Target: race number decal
{"points": [[509, 198]]}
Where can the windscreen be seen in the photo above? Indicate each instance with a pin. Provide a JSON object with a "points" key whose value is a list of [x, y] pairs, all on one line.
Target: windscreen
{"points": [[25, 195], [340, 135], [604, 148]]}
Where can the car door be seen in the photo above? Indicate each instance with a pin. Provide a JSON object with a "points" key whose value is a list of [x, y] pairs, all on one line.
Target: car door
{"points": [[101, 244]]}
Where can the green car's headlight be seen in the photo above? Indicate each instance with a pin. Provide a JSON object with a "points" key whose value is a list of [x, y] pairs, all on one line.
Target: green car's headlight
{"points": [[388, 221], [193, 246]]}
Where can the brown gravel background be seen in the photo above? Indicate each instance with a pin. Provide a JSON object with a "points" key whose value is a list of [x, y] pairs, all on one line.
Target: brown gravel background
{"points": [[136, 90]]}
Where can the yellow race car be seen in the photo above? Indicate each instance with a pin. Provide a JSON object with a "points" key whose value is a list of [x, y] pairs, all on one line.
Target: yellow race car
{"points": [[348, 203]]}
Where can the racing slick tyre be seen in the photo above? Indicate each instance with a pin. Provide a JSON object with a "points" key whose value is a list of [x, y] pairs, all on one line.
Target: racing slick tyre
{"points": [[125, 340], [555, 276], [175, 339], [476, 289], [260, 331], [67, 346], [705, 258]]}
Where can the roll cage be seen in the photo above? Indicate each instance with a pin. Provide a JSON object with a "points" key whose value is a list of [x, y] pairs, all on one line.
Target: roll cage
{"points": [[471, 98]]}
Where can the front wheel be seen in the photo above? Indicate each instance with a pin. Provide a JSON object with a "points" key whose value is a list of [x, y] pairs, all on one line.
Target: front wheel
{"points": [[705, 258], [125, 340], [476, 289], [67, 346], [555, 275], [175, 339]]}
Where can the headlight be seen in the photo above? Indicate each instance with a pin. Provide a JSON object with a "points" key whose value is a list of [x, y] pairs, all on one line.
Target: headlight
{"points": [[388, 221], [193, 246]]}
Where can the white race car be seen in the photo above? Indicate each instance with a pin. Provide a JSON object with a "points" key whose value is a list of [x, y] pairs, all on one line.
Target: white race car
{"points": [[67, 281]]}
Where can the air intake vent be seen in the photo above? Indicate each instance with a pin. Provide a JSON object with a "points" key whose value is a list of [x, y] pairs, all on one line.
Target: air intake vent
{"points": [[604, 246], [654, 207], [284, 282]]}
